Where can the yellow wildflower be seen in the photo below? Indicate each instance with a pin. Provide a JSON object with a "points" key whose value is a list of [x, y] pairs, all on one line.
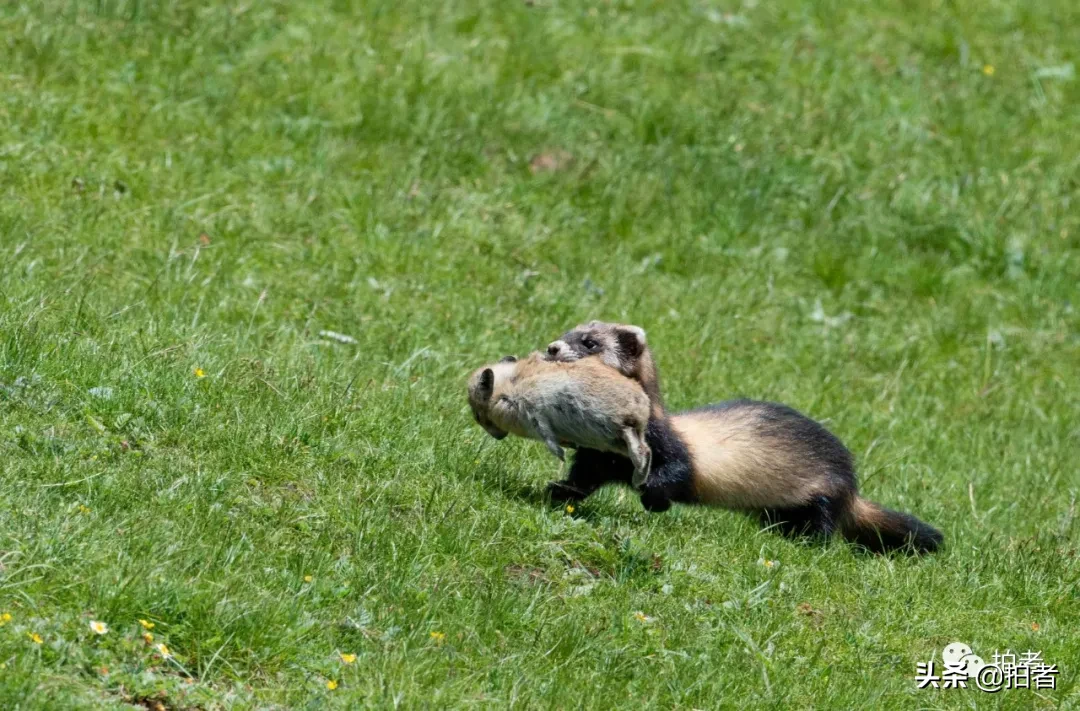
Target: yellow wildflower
{"points": [[200, 373], [148, 637], [988, 70], [347, 658], [163, 650], [331, 684], [5, 618], [98, 627], [308, 578], [439, 637], [146, 624], [35, 637], [569, 508]]}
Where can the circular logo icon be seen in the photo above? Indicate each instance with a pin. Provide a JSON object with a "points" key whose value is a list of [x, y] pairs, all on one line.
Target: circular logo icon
{"points": [[958, 656], [954, 652]]}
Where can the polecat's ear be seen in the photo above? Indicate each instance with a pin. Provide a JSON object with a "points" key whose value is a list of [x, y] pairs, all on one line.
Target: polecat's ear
{"points": [[486, 384], [508, 359], [631, 340]]}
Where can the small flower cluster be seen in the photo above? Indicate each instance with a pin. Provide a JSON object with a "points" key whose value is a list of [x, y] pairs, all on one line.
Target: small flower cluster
{"points": [[100, 629], [346, 658], [147, 636]]}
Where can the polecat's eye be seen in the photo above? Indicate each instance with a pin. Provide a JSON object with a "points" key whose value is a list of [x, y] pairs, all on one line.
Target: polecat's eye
{"points": [[589, 343]]}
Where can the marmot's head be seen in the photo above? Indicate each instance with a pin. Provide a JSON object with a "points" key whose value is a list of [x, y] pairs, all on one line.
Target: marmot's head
{"points": [[482, 385]]}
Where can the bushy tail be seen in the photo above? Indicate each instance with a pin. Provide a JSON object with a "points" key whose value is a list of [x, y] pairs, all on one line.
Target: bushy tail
{"points": [[881, 529]]}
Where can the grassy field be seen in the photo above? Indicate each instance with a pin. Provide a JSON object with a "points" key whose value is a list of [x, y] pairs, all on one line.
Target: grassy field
{"points": [[869, 211]]}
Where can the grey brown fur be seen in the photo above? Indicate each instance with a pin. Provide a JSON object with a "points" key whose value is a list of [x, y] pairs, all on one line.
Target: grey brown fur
{"points": [[620, 346], [576, 404]]}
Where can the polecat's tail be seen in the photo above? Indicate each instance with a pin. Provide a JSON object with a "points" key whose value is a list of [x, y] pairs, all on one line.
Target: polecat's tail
{"points": [[880, 529]]}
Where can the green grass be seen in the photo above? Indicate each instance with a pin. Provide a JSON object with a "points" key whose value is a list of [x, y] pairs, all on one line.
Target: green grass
{"points": [[868, 211]]}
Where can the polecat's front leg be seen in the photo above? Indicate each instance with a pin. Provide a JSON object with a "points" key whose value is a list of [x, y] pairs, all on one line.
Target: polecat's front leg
{"points": [[589, 470], [670, 475]]}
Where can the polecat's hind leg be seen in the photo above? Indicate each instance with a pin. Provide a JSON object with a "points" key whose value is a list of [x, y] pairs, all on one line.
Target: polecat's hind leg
{"points": [[817, 518], [640, 454]]}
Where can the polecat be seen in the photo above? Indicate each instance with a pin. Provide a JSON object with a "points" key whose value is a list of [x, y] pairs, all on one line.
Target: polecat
{"points": [[579, 404], [741, 454]]}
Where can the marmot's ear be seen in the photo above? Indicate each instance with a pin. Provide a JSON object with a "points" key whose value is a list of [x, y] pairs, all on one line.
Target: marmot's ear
{"points": [[486, 384], [508, 359], [631, 340]]}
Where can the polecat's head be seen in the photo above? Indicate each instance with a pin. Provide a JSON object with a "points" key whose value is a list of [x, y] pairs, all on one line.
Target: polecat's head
{"points": [[619, 345], [482, 385]]}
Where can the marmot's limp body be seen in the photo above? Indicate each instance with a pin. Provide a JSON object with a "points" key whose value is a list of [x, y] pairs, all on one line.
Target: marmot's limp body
{"points": [[742, 454], [579, 404]]}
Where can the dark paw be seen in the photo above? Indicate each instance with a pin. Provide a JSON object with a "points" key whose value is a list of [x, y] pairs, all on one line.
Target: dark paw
{"points": [[655, 501], [561, 491]]}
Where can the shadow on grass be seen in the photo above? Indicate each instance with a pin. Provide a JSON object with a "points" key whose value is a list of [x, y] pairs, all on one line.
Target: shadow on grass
{"points": [[498, 479]]}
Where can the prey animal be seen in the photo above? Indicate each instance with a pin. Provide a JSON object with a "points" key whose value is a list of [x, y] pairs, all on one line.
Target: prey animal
{"points": [[583, 404]]}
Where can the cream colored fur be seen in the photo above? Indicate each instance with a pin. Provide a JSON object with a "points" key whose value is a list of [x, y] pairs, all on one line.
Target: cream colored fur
{"points": [[738, 467]]}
